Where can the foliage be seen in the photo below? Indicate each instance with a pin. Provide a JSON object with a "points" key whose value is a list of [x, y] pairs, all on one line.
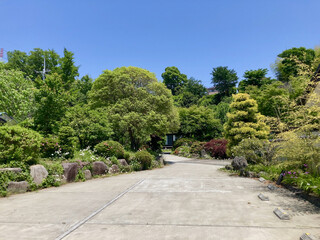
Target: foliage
{"points": [[52, 102], [221, 110], [244, 121], [87, 155], [183, 142], [197, 147], [254, 78], [68, 141], [173, 79], [50, 147], [55, 171], [8, 176], [144, 158], [199, 123], [255, 151], [183, 151], [295, 62], [217, 148], [67, 69], [16, 94], [137, 105], [224, 80], [90, 127], [81, 88], [19, 144], [109, 148]]}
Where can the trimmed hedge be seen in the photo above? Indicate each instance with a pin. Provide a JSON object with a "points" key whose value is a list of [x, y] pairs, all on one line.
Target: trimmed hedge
{"points": [[19, 144], [109, 148], [144, 158]]}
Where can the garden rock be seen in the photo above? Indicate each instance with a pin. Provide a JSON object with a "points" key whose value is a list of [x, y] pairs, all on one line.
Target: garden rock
{"points": [[114, 169], [15, 170], [99, 168], [87, 174], [38, 173], [70, 171], [239, 163], [18, 187], [123, 162]]}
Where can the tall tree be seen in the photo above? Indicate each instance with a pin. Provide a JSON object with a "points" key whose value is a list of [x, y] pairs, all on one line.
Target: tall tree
{"points": [[68, 70], [254, 78], [224, 80], [173, 79], [295, 62], [244, 121], [137, 104]]}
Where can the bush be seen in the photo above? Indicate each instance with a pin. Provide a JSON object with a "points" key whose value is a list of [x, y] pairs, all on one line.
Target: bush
{"points": [[183, 142], [217, 148], [197, 147], [19, 144], [255, 150], [109, 148], [68, 142], [49, 147], [183, 151], [144, 158]]}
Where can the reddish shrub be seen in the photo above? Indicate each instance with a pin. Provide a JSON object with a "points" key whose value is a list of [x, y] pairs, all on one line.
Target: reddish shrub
{"points": [[216, 148]]}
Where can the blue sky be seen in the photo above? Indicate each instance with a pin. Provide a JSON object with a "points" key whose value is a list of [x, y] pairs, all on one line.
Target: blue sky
{"points": [[194, 36]]}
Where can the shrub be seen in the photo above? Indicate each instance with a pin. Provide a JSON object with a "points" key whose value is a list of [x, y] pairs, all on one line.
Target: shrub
{"points": [[110, 148], [49, 147], [255, 150], [68, 141], [144, 158], [182, 151], [19, 144], [217, 148], [182, 142], [197, 147]]}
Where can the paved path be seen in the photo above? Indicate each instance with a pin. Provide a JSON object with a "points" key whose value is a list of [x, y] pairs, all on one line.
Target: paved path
{"points": [[188, 199]]}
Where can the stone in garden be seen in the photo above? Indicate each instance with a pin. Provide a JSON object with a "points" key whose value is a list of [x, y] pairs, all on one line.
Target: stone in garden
{"points": [[272, 187], [87, 174], [114, 169], [99, 168], [38, 173], [123, 162], [261, 179], [281, 214], [263, 197], [239, 163], [18, 187], [307, 236], [15, 170], [70, 171]]}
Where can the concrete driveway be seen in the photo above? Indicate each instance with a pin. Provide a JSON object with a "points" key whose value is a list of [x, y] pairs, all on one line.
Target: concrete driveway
{"points": [[188, 199]]}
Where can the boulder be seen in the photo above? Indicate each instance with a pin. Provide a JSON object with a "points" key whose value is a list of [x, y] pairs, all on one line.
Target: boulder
{"points": [[70, 171], [239, 163], [15, 170], [123, 162], [18, 187], [99, 168], [87, 174], [38, 173], [114, 169]]}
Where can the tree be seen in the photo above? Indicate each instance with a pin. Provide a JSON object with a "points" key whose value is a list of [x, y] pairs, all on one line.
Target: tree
{"points": [[69, 71], [173, 79], [16, 94], [199, 123], [244, 121], [137, 105], [254, 78], [224, 80], [90, 127], [51, 102], [81, 88], [295, 62]]}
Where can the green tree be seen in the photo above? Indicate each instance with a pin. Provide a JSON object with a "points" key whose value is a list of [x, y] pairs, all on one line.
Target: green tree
{"points": [[90, 127], [16, 94], [224, 80], [295, 62], [173, 79], [51, 102], [244, 121], [81, 88], [69, 71], [254, 78], [137, 104], [199, 123]]}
